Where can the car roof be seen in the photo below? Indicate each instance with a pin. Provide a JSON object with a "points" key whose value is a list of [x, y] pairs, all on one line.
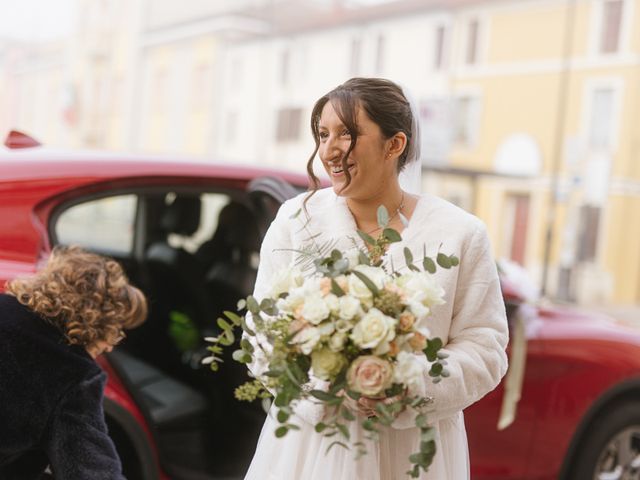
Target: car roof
{"points": [[43, 162]]}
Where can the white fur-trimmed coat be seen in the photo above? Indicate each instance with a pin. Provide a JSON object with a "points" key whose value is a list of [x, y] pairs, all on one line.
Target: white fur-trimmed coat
{"points": [[472, 324]]}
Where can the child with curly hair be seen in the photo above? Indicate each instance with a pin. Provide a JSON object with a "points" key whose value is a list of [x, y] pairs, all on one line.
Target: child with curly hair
{"points": [[52, 327]]}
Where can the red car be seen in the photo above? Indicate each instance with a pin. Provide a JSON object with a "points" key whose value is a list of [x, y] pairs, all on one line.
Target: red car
{"points": [[188, 233]]}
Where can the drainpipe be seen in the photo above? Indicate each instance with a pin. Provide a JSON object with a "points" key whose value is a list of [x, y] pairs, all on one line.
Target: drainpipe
{"points": [[561, 114]]}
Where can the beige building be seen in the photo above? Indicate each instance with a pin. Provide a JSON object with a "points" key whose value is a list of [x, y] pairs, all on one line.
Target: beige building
{"points": [[528, 107]]}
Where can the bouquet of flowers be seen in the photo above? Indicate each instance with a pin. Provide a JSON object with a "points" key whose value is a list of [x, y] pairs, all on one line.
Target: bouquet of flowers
{"points": [[355, 323]]}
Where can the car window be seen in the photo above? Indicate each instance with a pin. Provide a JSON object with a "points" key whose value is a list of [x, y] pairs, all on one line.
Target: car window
{"points": [[105, 225]]}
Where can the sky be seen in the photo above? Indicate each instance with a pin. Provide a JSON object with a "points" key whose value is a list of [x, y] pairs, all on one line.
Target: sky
{"points": [[36, 20]]}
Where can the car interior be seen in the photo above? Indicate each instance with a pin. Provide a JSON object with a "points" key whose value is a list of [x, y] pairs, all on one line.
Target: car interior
{"points": [[194, 252]]}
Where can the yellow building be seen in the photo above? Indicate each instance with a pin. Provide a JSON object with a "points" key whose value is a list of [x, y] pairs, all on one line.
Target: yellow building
{"points": [[545, 148]]}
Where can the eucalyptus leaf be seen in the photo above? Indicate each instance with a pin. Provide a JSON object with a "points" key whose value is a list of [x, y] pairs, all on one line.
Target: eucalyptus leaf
{"points": [[336, 289], [369, 284], [366, 237], [252, 305], [443, 260], [246, 345], [322, 395], [242, 303], [455, 261], [281, 431], [341, 265], [408, 256], [429, 265], [234, 317], [245, 327], [363, 258], [320, 427], [282, 416], [224, 325], [343, 430], [391, 235], [383, 216]]}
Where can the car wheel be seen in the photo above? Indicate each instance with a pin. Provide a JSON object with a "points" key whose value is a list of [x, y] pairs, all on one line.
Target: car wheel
{"points": [[610, 447]]}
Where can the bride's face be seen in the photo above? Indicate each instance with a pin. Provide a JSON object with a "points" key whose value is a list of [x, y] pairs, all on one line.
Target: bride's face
{"points": [[369, 166]]}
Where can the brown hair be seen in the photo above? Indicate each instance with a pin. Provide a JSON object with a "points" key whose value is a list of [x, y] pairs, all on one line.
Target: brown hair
{"points": [[87, 296], [384, 103]]}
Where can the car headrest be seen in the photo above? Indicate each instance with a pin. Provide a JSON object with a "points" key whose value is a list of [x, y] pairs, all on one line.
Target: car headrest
{"points": [[182, 216], [237, 227]]}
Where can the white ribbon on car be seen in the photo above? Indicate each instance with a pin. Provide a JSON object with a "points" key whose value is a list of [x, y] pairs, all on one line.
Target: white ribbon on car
{"points": [[515, 375]]}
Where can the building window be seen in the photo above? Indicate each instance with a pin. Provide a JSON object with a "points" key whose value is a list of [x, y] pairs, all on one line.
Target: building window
{"points": [[356, 47], [285, 66], [380, 54], [588, 234], [288, 125], [439, 47], [471, 55], [466, 120], [610, 27], [601, 121]]}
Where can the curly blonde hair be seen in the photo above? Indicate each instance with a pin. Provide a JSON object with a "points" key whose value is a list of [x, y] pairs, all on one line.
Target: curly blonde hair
{"points": [[87, 296]]}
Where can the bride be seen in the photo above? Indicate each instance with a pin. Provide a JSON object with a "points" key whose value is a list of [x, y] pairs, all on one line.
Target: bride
{"points": [[366, 134]]}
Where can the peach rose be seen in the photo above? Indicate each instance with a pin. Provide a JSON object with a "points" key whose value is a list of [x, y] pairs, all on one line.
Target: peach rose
{"points": [[406, 321], [370, 375], [393, 348], [418, 341]]}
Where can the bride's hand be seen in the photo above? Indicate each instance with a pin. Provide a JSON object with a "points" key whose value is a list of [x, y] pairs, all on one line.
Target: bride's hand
{"points": [[368, 405]]}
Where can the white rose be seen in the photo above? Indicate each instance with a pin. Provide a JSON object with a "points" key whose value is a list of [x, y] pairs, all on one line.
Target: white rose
{"points": [[409, 372], [307, 339], [326, 364], [358, 289], [314, 309], [337, 341], [293, 301], [284, 280], [422, 287], [373, 330], [349, 307]]}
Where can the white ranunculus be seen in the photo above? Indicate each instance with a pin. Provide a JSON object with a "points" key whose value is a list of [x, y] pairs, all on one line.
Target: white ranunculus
{"points": [[337, 341], [422, 287], [352, 255], [419, 310], [326, 363], [409, 372], [333, 302], [307, 339], [326, 328], [343, 325], [314, 309], [349, 307], [374, 329], [284, 280]]}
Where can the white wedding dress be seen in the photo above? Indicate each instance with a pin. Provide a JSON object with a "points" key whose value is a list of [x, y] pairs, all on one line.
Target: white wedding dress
{"points": [[472, 324]]}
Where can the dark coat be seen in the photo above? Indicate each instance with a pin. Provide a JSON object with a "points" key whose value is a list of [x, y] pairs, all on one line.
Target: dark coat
{"points": [[50, 403]]}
